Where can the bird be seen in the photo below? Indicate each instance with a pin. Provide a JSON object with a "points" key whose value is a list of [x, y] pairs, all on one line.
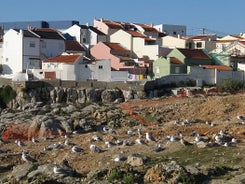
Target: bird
{"points": [[159, 148], [27, 158], [34, 140], [120, 159], [19, 143], [109, 144], [139, 141], [68, 143], [139, 132], [96, 138], [76, 149], [226, 144], [95, 148], [59, 170], [149, 137], [130, 133], [234, 140], [240, 117]]}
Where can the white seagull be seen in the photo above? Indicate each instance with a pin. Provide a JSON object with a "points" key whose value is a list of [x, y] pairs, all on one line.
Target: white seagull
{"points": [[139, 141], [95, 148], [76, 149], [59, 170], [19, 143], [26, 157], [159, 148], [149, 137]]}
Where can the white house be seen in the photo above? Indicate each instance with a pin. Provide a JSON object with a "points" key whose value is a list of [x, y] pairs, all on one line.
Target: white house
{"points": [[87, 35], [76, 67], [52, 43], [21, 51]]}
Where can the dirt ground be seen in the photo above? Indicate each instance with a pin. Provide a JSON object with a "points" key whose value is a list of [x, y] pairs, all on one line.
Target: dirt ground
{"points": [[222, 111]]}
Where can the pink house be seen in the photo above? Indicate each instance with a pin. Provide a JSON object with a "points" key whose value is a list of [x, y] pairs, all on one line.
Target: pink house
{"points": [[119, 56]]}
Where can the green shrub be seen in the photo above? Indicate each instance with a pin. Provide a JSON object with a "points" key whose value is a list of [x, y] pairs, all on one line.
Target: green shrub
{"points": [[116, 174], [231, 85], [128, 178], [7, 94]]}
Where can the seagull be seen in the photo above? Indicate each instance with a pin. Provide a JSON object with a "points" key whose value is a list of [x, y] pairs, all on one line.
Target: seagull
{"points": [[112, 131], [96, 138], [120, 159], [234, 140], [34, 140], [59, 170], [159, 148], [240, 117], [109, 144], [226, 144], [127, 143], [26, 157], [139, 141], [149, 137], [76, 149], [19, 143], [130, 133], [95, 148], [68, 143], [139, 132]]}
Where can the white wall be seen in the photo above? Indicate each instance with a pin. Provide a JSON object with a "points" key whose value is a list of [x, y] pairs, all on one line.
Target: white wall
{"points": [[206, 75], [141, 49], [173, 42], [102, 70], [123, 38], [12, 52], [119, 75], [52, 48]]}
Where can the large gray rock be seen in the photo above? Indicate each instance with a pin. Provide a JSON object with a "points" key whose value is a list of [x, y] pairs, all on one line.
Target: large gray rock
{"points": [[167, 172], [110, 95]]}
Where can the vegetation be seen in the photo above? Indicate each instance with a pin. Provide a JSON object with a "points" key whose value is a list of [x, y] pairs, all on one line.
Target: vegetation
{"points": [[231, 85], [6, 95]]}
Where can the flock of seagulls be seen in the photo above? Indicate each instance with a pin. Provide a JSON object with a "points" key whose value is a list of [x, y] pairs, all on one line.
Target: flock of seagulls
{"points": [[131, 137]]}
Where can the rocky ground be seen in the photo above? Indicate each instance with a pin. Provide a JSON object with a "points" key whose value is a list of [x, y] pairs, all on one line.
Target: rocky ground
{"points": [[186, 160]]}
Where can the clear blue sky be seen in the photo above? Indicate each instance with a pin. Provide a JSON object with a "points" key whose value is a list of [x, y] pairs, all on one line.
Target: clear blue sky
{"points": [[219, 16]]}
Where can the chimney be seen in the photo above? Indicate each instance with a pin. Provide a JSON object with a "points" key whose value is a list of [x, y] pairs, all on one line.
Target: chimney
{"points": [[178, 36], [101, 19]]}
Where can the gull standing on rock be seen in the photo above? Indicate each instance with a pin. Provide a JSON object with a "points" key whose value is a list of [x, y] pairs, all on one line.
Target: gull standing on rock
{"points": [[149, 137], [26, 157], [95, 148]]}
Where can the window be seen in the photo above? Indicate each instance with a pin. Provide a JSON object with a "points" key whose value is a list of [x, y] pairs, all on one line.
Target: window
{"points": [[32, 44], [157, 70], [84, 40], [100, 67], [177, 69], [86, 66], [6, 59], [199, 44]]}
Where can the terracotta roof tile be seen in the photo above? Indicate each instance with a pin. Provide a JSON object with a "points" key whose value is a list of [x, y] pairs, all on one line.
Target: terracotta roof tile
{"points": [[194, 54], [140, 35], [116, 47], [175, 60], [218, 67], [64, 59], [113, 25]]}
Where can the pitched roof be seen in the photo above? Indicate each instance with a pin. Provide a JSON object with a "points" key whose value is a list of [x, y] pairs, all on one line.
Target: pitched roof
{"points": [[175, 60], [73, 45], [200, 37], [47, 33], [98, 32], [63, 59], [194, 54], [218, 67], [140, 35], [148, 28], [113, 25], [27, 33], [116, 47]]}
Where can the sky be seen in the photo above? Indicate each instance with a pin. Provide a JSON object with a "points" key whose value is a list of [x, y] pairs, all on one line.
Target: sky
{"points": [[222, 17]]}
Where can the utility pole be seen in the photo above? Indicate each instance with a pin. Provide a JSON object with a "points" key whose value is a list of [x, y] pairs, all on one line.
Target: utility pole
{"points": [[203, 31]]}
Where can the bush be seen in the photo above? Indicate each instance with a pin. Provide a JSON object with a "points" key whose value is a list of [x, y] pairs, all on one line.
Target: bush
{"points": [[231, 85], [128, 178], [7, 94]]}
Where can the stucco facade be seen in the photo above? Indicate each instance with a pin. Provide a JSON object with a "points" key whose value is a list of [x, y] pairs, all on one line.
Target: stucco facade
{"points": [[21, 51]]}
